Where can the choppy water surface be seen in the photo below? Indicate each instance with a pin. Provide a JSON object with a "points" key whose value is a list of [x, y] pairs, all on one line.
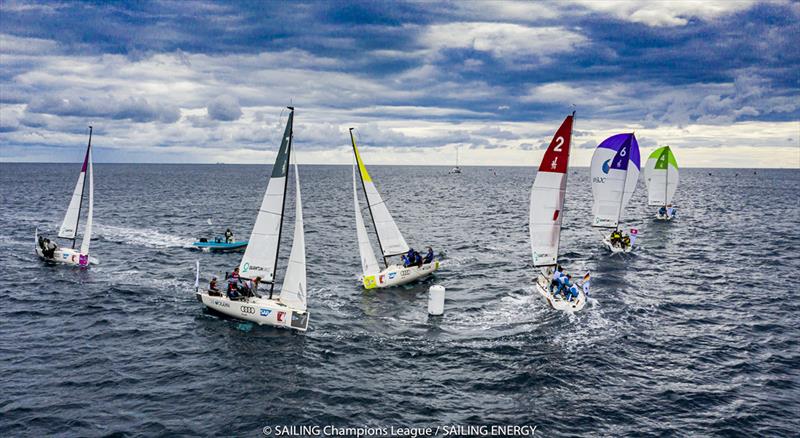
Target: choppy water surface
{"points": [[694, 333]]}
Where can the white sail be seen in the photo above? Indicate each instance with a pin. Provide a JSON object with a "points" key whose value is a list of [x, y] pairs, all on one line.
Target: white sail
{"points": [[369, 264], [661, 175], [547, 197], [87, 230], [69, 227], [293, 291], [261, 255], [613, 185], [389, 236]]}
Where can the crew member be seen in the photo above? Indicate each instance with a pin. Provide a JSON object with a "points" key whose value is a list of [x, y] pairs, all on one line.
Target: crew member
{"points": [[556, 276], [212, 287], [417, 259], [428, 256], [228, 236]]}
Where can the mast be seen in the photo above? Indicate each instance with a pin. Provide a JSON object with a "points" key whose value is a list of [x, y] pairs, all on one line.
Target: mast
{"points": [[283, 205], [625, 182], [666, 179], [566, 179], [366, 196], [83, 189]]}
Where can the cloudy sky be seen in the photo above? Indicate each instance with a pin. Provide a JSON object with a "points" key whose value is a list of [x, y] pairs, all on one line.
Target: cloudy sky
{"points": [[196, 81]]}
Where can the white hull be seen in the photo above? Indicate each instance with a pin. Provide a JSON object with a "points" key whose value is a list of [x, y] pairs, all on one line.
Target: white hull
{"points": [[664, 217], [559, 303], [67, 256], [261, 311], [397, 275], [614, 248]]}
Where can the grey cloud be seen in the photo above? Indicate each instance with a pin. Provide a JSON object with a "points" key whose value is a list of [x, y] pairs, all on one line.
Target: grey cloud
{"points": [[224, 108], [496, 132], [137, 109]]}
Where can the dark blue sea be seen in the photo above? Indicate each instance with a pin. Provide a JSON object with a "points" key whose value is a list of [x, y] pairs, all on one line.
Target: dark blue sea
{"points": [[695, 333]]}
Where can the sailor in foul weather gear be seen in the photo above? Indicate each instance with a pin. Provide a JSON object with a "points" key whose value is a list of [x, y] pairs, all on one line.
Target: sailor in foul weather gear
{"points": [[233, 293], [564, 284], [212, 287], [556, 276], [572, 292], [228, 236], [428, 256], [417, 259], [49, 248], [616, 237]]}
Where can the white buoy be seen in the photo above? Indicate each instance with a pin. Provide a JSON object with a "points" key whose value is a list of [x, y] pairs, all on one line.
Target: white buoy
{"points": [[436, 300]]}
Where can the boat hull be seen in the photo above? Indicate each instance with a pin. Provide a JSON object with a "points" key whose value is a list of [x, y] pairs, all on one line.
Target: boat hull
{"points": [[67, 256], [664, 217], [397, 275], [261, 311], [559, 303], [615, 249], [221, 246]]}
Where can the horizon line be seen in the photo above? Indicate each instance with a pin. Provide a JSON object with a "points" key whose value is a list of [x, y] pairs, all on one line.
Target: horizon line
{"points": [[371, 165]]}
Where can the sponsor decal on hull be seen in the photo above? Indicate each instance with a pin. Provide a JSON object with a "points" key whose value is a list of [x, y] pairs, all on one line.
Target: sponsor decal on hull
{"points": [[265, 312], [248, 310], [221, 303], [299, 320]]}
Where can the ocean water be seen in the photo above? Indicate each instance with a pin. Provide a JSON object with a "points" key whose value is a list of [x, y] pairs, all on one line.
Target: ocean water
{"points": [[695, 333]]}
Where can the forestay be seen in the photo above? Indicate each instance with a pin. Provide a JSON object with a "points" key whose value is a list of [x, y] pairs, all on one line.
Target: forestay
{"points": [[260, 257], [615, 172], [547, 197], [389, 237], [661, 175], [293, 292], [369, 264], [69, 227]]}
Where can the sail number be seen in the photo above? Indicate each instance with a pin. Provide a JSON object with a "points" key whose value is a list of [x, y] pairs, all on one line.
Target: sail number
{"points": [[559, 143]]}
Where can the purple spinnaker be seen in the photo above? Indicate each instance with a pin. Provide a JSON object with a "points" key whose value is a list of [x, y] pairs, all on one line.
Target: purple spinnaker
{"points": [[615, 142]]}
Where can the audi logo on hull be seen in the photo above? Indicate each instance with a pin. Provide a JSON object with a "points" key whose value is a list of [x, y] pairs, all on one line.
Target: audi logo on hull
{"points": [[248, 309]]}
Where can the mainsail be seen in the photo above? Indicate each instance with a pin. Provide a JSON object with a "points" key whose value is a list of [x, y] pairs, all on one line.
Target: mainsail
{"points": [[390, 239], [369, 264], [547, 197], [69, 228], [261, 256], [293, 292], [661, 175], [615, 172]]}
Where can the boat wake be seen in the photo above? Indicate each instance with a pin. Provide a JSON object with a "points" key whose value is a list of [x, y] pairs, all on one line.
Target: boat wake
{"points": [[142, 237]]}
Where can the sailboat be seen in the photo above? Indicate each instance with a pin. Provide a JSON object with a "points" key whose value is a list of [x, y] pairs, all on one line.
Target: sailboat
{"points": [[390, 240], [615, 172], [456, 169], [546, 218], [260, 261], [661, 175], [49, 250]]}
